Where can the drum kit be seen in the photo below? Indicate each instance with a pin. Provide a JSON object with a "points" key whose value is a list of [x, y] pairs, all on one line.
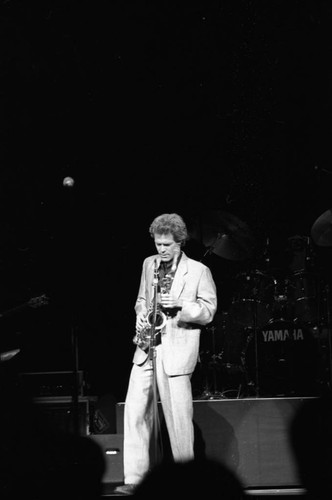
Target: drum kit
{"points": [[274, 339]]}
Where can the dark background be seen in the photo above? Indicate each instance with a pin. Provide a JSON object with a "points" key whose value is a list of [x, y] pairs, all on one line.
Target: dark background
{"points": [[150, 107]]}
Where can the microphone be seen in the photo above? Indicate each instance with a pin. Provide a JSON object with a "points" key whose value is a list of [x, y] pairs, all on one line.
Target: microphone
{"points": [[175, 259]]}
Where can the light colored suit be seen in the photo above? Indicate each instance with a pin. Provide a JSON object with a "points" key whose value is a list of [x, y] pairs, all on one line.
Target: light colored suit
{"points": [[176, 359], [193, 283]]}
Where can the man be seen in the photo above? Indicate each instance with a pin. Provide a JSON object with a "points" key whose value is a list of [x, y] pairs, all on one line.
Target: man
{"points": [[176, 297]]}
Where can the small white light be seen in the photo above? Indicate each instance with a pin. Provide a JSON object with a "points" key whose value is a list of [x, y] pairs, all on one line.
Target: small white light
{"points": [[112, 451], [68, 182]]}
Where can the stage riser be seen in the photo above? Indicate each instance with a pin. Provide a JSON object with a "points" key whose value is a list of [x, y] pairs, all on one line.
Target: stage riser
{"points": [[251, 436]]}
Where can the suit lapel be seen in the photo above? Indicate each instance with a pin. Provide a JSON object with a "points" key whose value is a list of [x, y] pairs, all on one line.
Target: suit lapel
{"points": [[150, 278], [179, 278]]}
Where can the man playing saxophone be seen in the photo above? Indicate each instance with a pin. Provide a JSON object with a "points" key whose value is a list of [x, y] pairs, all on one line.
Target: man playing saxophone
{"points": [[176, 297]]}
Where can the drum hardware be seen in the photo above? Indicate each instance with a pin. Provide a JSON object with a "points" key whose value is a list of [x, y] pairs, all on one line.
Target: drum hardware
{"points": [[248, 383], [256, 385], [252, 383], [267, 251], [282, 304], [223, 234], [289, 360], [302, 253], [213, 363], [231, 360], [321, 230], [253, 295], [252, 308], [307, 298], [223, 360], [263, 259], [312, 311], [279, 298]]}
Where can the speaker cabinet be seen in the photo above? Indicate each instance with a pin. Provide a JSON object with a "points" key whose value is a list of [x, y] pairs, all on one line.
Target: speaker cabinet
{"points": [[59, 413], [112, 447]]}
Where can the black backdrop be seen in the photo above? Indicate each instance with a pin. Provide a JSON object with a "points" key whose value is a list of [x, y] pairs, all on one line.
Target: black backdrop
{"points": [[150, 107]]}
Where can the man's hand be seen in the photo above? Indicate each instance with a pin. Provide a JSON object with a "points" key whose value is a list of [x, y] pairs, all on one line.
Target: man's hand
{"points": [[168, 301], [141, 321]]}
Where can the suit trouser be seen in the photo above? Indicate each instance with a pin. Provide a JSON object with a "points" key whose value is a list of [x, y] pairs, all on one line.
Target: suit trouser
{"points": [[175, 395]]}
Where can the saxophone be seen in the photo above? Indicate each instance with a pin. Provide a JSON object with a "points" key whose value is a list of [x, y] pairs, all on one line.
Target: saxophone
{"points": [[143, 338]]}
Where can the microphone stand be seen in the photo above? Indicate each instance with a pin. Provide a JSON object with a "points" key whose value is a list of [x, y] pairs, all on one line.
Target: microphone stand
{"points": [[152, 357], [75, 393], [68, 183]]}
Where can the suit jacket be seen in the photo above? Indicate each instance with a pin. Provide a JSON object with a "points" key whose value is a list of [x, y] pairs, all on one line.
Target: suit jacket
{"points": [[194, 284]]}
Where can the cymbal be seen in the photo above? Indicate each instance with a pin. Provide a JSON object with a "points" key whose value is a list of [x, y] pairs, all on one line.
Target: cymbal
{"points": [[224, 234], [321, 230], [7, 355]]}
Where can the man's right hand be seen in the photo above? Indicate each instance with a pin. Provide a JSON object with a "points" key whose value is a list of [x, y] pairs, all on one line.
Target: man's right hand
{"points": [[140, 321]]}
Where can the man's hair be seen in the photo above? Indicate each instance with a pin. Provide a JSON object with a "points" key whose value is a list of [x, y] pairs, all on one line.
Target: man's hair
{"points": [[170, 223]]}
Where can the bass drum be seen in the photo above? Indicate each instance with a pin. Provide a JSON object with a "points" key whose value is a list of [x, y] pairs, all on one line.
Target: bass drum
{"points": [[282, 359]]}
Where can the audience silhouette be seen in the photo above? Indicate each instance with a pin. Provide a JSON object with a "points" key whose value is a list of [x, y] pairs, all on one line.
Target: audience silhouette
{"points": [[202, 477], [311, 441], [37, 460]]}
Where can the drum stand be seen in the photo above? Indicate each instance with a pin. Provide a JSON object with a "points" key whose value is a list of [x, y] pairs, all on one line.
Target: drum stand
{"points": [[207, 393], [255, 334]]}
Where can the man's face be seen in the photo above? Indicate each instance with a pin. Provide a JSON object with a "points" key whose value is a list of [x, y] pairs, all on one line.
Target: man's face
{"points": [[166, 246]]}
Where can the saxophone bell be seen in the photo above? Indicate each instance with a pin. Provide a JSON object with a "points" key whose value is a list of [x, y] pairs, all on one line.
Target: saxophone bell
{"points": [[160, 320], [144, 336]]}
